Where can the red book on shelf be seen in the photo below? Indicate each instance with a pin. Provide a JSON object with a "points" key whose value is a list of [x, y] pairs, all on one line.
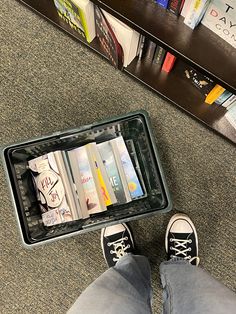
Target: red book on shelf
{"points": [[168, 62]]}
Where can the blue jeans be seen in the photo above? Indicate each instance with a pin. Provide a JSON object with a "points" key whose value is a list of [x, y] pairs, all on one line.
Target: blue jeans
{"points": [[126, 288]]}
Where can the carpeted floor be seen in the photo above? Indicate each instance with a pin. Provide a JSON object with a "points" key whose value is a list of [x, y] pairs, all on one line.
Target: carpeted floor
{"points": [[49, 82]]}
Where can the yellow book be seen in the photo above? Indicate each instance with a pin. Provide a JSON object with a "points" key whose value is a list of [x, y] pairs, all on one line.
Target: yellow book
{"points": [[101, 176], [214, 94]]}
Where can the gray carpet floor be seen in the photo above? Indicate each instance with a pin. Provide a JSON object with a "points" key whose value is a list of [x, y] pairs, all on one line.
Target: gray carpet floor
{"points": [[49, 82]]}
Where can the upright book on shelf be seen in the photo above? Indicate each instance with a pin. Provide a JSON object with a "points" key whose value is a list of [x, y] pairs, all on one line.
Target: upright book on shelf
{"points": [[220, 18], [175, 6], [127, 37], [195, 12], [108, 40], [79, 14]]}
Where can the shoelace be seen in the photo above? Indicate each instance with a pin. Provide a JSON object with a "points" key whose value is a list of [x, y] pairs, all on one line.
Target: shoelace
{"points": [[119, 248], [180, 248]]}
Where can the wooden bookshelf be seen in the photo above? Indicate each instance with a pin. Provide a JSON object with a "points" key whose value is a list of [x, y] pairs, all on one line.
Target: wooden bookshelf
{"points": [[166, 29]]}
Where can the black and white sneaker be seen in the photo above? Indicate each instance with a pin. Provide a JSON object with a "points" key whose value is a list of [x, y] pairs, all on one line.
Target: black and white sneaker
{"points": [[116, 242], [181, 239]]}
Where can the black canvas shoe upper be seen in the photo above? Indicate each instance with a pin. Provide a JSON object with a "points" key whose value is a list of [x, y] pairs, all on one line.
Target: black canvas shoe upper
{"points": [[181, 239], [116, 245]]}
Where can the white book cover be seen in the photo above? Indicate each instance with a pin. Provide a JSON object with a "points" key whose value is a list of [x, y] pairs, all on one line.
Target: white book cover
{"points": [[231, 115], [185, 7], [195, 12], [134, 185], [220, 17], [126, 36], [67, 185], [229, 101]]}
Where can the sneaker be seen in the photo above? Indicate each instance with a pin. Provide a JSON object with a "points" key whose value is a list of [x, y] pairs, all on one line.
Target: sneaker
{"points": [[181, 239], [116, 242]]}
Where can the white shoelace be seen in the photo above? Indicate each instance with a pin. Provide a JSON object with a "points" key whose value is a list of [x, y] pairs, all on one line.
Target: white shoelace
{"points": [[180, 248], [119, 248]]}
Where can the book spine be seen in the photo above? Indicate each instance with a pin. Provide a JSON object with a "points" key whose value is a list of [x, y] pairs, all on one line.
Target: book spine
{"points": [[159, 55], [229, 101], [195, 12], [185, 7], [214, 94], [168, 62], [76, 178], [141, 48], [163, 3], [151, 46], [66, 183], [107, 189], [175, 6]]}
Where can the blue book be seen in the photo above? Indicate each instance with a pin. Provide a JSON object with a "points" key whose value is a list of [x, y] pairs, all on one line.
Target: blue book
{"points": [[163, 3], [122, 153], [223, 97]]}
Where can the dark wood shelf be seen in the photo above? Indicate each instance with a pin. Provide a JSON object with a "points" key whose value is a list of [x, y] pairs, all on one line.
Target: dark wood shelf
{"points": [[201, 48], [169, 86]]}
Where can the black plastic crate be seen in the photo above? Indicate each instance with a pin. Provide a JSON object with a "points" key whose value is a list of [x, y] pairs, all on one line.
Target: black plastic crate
{"points": [[133, 126]]}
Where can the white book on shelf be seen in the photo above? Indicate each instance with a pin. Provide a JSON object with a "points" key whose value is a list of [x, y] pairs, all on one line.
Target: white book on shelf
{"points": [[195, 12], [220, 18], [185, 7], [229, 101], [231, 115], [126, 36]]}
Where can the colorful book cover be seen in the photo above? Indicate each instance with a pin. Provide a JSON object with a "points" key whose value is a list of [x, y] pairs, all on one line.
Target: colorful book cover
{"points": [[51, 194], [168, 62], [175, 6], [134, 185], [163, 3], [102, 181], [220, 18], [223, 97], [79, 15], [196, 10], [92, 197], [214, 94], [108, 40], [203, 83], [106, 152]]}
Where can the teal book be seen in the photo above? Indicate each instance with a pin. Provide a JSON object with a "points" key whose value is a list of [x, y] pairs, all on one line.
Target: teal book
{"points": [[109, 162], [134, 185]]}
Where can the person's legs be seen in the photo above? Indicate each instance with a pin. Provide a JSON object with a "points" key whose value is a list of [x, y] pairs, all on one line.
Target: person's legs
{"points": [[125, 287], [189, 289]]}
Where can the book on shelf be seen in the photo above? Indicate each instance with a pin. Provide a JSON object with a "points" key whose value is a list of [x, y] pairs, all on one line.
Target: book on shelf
{"points": [[203, 83], [185, 7], [140, 49], [229, 101], [54, 194], [220, 18], [150, 51], [127, 37], [79, 15], [231, 115], [159, 55], [168, 63], [223, 97], [163, 3], [216, 91], [108, 40], [195, 12], [175, 6], [124, 162], [119, 186]]}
